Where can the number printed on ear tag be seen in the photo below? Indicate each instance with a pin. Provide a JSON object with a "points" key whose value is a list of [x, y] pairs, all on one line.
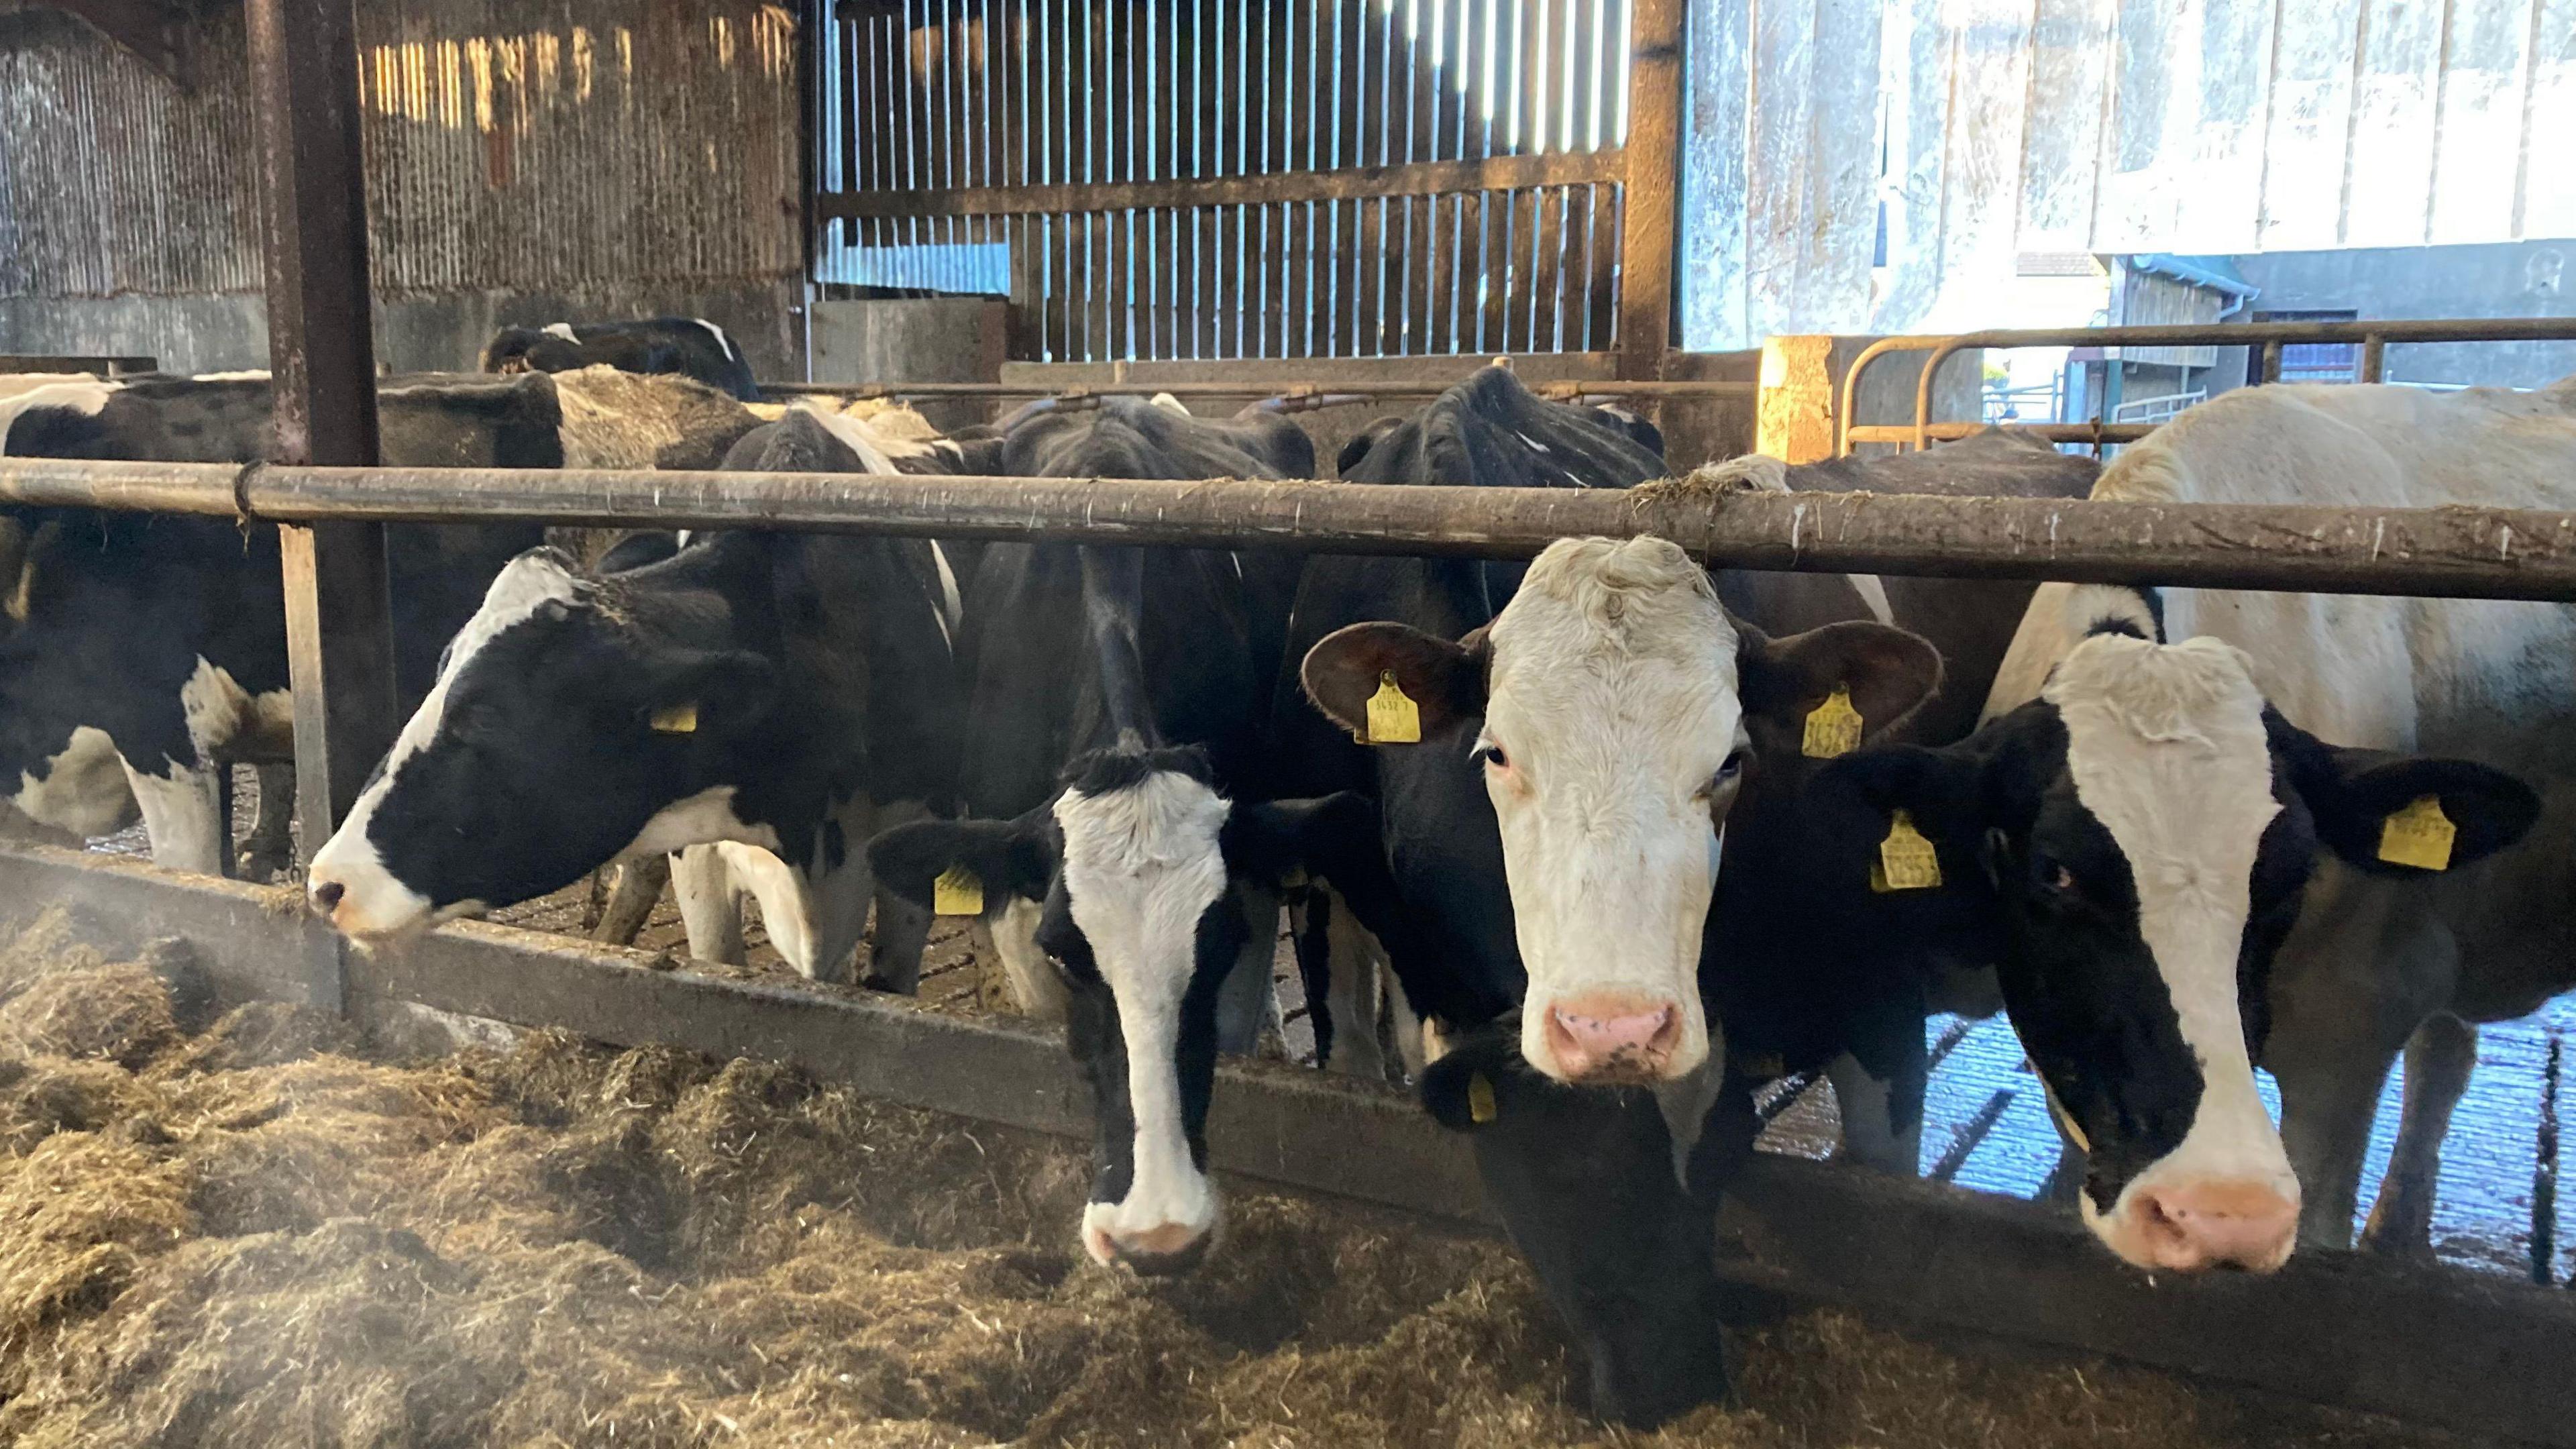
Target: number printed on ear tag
{"points": [[676, 719], [1480, 1100], [1393, 717], [1833, 728], [957, 893], [2419, 835], [1906, 861]]}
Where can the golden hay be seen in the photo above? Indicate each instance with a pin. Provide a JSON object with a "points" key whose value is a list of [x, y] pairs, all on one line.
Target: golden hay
{"points": [[251, 1238]]}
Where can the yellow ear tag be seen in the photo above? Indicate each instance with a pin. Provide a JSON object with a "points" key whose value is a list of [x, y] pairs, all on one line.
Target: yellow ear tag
{"points": [[1906, 861], [1833, 728], [676, 719], [957, 893], [2419, 835], [1480, 1100], [1393, 718]]}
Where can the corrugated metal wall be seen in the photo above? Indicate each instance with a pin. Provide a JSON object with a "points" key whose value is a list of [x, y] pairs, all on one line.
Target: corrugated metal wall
{"points": [[546, 148], [1992, 128]]}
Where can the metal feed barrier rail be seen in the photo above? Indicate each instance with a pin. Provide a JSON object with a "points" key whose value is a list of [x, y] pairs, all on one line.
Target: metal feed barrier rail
{"points": [[2271, 337]]}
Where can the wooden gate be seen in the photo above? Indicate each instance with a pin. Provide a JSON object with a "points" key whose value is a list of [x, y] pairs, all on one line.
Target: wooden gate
{"points": [[1189, 179]]}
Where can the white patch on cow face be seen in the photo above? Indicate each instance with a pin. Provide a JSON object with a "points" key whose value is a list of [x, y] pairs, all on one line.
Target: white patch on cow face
{"points": [[562, 331], [1141, 866], [1612, 701], [2167, 749], [370, 903], [83, 789]]}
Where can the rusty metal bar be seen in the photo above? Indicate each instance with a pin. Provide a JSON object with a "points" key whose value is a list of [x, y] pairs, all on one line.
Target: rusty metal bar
{"points": [[322, 357], [1562, 389], [2246, 334], [59, 362], [1420, 178], [2272, 360], [1948, 432], [2432, 552], [2374, 358]]}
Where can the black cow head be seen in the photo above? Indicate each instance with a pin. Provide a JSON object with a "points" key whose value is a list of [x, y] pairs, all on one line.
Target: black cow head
{"points": [[2135, 844]]}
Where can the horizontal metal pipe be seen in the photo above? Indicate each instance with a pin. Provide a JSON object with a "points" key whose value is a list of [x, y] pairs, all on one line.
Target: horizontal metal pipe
{"points": [[1562, 388], [2441, 552], [2052, 432]]}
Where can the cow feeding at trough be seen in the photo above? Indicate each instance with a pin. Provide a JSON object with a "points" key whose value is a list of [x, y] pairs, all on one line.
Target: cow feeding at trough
{"points": [[230, 1226]]}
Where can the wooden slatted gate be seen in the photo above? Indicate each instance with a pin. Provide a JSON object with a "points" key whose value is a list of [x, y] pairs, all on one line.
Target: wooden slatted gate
{"points": [[1203, 179]]}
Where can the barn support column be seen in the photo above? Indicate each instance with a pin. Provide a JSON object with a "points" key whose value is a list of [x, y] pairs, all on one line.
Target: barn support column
{"points": [[1654, 178], [321, 339]]}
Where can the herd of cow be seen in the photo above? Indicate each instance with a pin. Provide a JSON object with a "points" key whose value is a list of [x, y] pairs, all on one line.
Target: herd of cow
{"points": [[1600, 842]]}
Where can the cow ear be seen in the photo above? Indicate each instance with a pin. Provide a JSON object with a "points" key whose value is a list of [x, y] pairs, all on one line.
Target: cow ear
{"points": [[1005, 857], [1470, 1087], [1885, 672], [1445, 681], [697, 689], [1941, 793], [2354, 794]]}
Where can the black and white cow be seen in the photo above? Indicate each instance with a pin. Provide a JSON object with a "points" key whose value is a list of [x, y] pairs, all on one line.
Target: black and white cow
{"points": [[782, 696], [1111, 770], [1591, 742], [2139, 819], [691, 346], [142, 654]]}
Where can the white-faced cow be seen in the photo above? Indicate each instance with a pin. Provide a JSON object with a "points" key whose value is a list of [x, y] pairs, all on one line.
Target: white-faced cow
{"points": [[691, 346], [1114, 761], [2140, 819], [1588, 759], [782, 695], [160, 642]]}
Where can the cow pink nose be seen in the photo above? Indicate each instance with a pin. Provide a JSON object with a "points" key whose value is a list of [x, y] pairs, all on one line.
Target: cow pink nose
{"points": [[2218, 1222], [1612, 1037]]}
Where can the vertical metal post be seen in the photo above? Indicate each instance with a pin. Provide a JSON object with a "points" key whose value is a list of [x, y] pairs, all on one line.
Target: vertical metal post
{"points": [[1653, 161], [2271, 362], [321, 347], [2374, 358]]}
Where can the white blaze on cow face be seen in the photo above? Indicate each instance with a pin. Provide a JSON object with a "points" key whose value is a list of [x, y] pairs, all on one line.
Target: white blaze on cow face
{"points": [[1141, 866], [1611, 713], [348, 881], [2167, 749]]}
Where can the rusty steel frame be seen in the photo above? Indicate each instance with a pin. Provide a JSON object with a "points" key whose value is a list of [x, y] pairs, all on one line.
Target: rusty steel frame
{"points": [[2271, 337], [2434, 552]]}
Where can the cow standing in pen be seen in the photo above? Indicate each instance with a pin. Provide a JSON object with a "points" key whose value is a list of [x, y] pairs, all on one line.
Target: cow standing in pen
{"points": [[1591, 740], [1119, 835], [690, 346], [2211, 829], [782, 695]]}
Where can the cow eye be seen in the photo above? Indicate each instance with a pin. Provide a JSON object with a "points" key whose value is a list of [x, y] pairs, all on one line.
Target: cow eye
{"points": [[2056, 877], [1726, 775], [1491, 756]]}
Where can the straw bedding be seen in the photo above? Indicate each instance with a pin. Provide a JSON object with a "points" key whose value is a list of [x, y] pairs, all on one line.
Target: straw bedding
{"points": [[244, 1232]]}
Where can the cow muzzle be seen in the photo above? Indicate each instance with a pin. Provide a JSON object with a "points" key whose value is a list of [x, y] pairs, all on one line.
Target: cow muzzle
{"points": [[1606, 1038], [1159, 1249], [361, 899], [2197, 1224]]}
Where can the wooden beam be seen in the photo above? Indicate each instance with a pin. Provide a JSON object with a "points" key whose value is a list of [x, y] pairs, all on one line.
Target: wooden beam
{"points": [[1420, 178], [1647, 232], [321, 347]]}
